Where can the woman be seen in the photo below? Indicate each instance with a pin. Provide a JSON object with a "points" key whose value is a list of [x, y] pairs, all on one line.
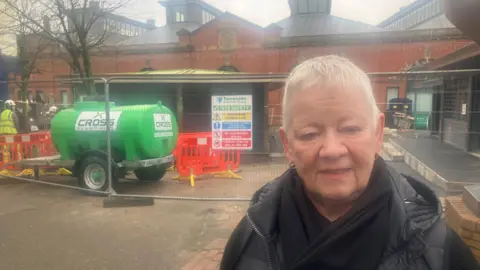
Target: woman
{"points": [[340, 206]]}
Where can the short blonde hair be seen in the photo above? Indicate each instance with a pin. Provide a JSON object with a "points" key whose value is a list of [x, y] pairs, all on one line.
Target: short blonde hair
{"points": [[327, 71]]}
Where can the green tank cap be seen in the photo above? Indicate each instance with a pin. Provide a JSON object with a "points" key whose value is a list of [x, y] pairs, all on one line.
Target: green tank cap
{"points": [[159, 103]]}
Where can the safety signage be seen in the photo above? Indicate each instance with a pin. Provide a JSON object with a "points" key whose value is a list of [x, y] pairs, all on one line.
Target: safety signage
{"points": [[96, 121], [232, 122], [163, 125], [236, 116]]}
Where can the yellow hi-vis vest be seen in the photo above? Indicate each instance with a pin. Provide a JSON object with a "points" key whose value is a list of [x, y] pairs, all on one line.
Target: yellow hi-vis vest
{"points": [[7, 126]]}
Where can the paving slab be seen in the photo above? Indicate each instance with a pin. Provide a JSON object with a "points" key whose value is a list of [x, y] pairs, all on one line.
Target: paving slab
{"points": [[51, 228]]}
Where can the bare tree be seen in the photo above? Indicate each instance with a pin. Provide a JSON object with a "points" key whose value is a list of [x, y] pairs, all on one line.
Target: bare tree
{"points": [[75, 26], [14, 23]]}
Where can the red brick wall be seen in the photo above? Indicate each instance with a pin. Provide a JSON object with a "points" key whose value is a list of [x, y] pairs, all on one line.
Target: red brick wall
{"points": [[251, 56]]}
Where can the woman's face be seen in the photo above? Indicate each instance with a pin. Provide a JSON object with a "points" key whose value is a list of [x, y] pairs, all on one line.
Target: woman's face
{"points": [[332, 140]]}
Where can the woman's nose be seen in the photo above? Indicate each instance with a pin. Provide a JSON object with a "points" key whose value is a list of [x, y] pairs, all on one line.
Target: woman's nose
{"points": [[332, 146]]}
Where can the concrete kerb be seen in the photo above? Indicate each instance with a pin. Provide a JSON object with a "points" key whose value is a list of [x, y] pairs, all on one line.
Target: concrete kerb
{"points": [[392, 153], [428, 173]]}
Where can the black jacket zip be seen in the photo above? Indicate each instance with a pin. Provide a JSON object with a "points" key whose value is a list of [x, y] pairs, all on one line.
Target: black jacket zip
{"points": [[264, 240]]}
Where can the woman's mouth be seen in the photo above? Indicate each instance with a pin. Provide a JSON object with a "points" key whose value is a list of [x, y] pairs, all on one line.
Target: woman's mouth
{"points": [[335, 171], [335, 174]]}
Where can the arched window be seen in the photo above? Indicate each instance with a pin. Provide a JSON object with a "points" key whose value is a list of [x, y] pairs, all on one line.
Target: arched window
{"points": [[229, 69]]}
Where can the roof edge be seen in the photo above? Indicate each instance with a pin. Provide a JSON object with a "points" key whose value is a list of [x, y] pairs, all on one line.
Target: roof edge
{"points": [[210, 8], [403, 11], [370, 37]]}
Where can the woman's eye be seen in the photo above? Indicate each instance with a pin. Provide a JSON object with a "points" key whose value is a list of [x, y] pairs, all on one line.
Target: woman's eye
{"points": [[307, 136], [351, 129]]}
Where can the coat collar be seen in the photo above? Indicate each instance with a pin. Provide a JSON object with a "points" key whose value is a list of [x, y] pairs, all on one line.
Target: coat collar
{"points": [[414, 209]]}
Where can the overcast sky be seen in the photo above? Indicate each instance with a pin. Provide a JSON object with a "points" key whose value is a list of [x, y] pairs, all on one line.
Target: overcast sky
{"points": [[264, 12]]}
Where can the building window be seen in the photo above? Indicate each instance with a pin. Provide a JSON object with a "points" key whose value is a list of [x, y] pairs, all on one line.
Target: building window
{"points": [[39, 97], [302, 6], [392, 92], [131, 30], [424, 102], [179, 14], [430, 12], [64, 97], [313, 6], [123, 29], [206, 17], [50, 100]]}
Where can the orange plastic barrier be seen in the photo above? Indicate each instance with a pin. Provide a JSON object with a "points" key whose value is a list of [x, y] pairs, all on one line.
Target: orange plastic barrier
{"points": [[194, 156], [192, 139], [17, 147]]}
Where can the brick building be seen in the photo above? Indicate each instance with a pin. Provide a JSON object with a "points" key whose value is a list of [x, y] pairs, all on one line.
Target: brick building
{"points": [[199, 36]]}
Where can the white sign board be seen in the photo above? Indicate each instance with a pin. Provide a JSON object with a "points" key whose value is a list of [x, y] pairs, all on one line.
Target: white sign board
{"points": [[95, 121], [163, 125], [232, 122]]}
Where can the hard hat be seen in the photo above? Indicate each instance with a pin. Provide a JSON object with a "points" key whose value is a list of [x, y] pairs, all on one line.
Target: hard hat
{"points": [[53, 109], [10, 102]]}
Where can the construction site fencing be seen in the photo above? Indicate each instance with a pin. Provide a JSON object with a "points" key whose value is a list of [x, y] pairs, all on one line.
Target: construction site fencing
{"points": [[201, 171], [198, 171]]}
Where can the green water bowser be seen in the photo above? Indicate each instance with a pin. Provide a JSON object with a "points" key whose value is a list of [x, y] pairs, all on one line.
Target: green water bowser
{"points": [[143, 138]]}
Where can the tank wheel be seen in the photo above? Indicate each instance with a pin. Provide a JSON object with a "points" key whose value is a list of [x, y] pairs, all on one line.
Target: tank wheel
{"points": [[92, 174], [151, 174]]}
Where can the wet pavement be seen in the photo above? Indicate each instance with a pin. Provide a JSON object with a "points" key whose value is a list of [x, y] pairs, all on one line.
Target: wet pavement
{"points": [[45, 227]]}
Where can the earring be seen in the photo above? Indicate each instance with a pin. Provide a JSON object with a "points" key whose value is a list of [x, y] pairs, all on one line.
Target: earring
{"points": [[291, 165]]}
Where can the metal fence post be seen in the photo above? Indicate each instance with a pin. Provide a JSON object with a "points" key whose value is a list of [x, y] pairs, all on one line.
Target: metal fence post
{"points": [[110, 190]]}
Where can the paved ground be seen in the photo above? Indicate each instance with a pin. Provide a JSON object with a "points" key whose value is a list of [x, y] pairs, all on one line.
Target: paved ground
{"points": [[51, 228]]}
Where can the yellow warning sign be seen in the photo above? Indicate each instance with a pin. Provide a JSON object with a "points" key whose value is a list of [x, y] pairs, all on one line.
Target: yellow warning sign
{"points": [[217, 117], [237, 116]]}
